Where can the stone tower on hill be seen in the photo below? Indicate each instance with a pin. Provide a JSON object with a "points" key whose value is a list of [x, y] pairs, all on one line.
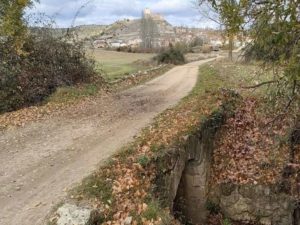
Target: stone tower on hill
{"points": [[148, 13]]}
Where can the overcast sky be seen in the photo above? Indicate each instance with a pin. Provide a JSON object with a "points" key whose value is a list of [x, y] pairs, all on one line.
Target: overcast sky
{"points": [[177, 12]]}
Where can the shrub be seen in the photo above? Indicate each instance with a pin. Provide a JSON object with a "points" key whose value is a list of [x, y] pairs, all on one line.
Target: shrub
{"points": [[46, 62], [206, 49], [197, 42], [171, 56], [183, 47]]}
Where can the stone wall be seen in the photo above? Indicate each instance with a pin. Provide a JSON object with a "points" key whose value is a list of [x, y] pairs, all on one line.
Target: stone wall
{"points": [[263, 204], [183, 183]]}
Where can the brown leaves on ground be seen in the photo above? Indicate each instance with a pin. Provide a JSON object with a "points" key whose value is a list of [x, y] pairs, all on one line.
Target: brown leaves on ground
{"points": [[26, 115], [23, 116], [133, 178], [250, 151], [174, 123]]}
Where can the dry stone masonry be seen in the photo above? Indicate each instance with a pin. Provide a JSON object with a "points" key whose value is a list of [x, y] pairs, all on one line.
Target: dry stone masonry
{"points": [[185, 185]]}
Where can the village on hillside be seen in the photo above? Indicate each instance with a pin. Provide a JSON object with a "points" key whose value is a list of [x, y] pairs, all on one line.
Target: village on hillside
{"points": [[127, 33]]}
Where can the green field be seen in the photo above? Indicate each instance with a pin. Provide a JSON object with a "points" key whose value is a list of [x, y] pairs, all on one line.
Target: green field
{"points": [[118, 64]]}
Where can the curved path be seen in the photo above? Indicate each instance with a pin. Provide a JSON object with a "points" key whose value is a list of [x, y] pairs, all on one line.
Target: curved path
{"points": [[40, 161]]}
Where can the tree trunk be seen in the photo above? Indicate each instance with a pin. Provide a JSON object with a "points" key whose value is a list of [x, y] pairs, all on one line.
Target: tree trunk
{"points": [[231, 45]]}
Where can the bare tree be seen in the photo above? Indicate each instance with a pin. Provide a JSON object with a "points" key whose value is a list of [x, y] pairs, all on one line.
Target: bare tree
{"points": [[223, 13], [148, 32]]}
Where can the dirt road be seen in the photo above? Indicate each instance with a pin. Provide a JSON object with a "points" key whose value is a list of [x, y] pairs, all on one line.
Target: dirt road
{"points": [[40, 161]]}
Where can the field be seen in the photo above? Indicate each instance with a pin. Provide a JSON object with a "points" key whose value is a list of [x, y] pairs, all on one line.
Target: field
{"points": [[118, 64]]}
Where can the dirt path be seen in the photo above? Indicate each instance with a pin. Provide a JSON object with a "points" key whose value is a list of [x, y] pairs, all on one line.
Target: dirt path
{"points": [[40, 161]]}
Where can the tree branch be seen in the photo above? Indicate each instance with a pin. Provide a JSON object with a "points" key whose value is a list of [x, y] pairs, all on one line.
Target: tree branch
{"points": [[261, 84], [291, 99]]}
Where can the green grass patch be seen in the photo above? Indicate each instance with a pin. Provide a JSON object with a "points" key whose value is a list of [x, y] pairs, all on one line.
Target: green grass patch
{"points": [[143, 160], [97, 187], [115, 71], [153, 210], [70, 94], [116, 65]]}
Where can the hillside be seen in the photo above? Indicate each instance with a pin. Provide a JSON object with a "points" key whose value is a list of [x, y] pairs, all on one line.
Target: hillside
{"points": [[124, 29], [83, 32], [128, 32]]}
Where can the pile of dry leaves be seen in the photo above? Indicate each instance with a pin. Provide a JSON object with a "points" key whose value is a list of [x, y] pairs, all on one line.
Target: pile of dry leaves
{"points": [[250, 150]]}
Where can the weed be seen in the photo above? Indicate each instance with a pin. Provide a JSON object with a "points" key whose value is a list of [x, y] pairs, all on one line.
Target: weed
{"points": [[212, 207], [97, 187], [70, 94], [144, 161], [125, 152], [136, 217], [226, 222], [153, 211], [156, 148]]}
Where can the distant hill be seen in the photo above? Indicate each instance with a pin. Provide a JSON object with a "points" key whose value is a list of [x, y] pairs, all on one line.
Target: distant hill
{"points": [[83, 32], [128, 31], [123, 29]]}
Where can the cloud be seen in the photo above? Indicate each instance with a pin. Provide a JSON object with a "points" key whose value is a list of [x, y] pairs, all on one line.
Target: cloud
{"points": [[175, 7], [177, 12]]}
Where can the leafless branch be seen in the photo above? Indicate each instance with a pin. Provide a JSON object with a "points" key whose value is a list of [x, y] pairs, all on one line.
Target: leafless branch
{"points": [[285, 111], [261, 84]]}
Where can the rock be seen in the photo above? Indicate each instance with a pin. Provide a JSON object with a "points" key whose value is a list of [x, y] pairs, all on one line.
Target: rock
{"points": [[128, 221], [73, 215], [266, 221], [249, 202]]}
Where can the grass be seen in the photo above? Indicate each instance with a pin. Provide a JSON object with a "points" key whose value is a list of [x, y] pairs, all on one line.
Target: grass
{"points": [[143, 161], [70, 94], [153, 211], [97, 187], [116, 65]]}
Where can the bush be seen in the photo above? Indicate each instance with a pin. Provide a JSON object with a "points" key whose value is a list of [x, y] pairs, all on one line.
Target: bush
{"points": [[206, 49], [197, 42], [46, 62], [183, 47], [171, 56]]}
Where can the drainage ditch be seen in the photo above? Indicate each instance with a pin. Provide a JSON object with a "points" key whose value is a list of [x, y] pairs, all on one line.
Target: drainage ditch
{"points": [[184, 185]]}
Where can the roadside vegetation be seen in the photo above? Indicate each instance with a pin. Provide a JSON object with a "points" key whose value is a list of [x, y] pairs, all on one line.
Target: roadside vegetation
{"points": [[132, 172], [173, 55], [34, 63]]}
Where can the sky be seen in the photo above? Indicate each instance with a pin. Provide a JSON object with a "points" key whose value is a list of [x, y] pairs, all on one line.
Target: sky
{"points": [[177, 12]]}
